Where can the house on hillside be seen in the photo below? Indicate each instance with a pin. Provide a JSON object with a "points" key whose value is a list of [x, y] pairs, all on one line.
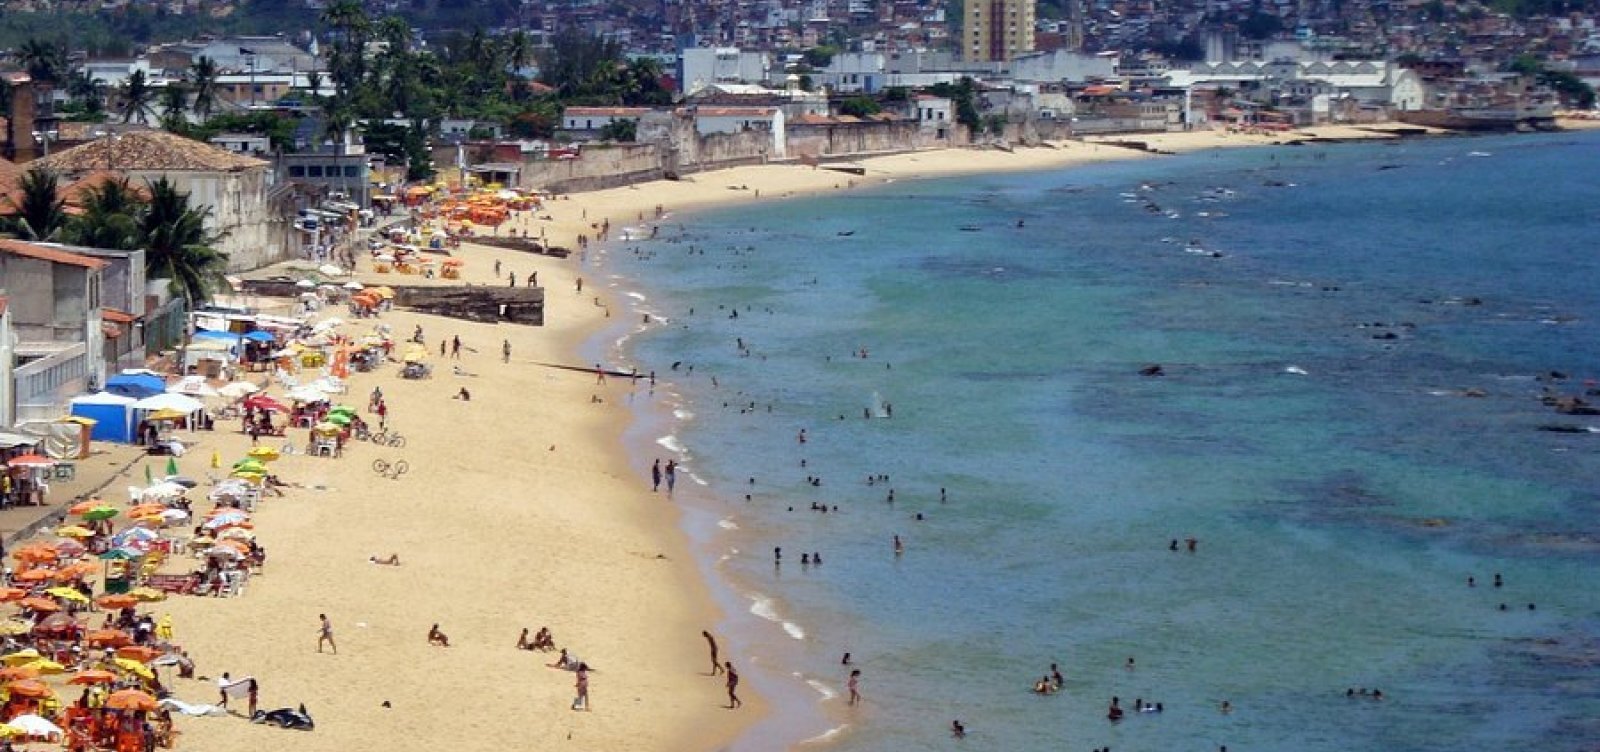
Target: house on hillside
{"points": [[236, 188], [581, 123]]}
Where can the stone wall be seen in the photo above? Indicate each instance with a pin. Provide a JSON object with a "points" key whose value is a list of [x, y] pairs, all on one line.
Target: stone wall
{"points": [[853, 138], [595, 168]]}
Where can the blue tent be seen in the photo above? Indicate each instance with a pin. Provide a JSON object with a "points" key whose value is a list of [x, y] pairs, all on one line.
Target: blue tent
{"points": [[228, 337], [260, 336], [136, 385], [112, 413]]}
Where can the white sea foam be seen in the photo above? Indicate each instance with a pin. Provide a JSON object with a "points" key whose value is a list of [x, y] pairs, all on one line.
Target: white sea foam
{"points": [[699, 481], [826, 736], [822, 689], [682, 414], [639, 296], [761, 605], [727, 524], [671, 443]]}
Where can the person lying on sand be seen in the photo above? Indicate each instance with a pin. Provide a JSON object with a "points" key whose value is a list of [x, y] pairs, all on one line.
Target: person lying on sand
{"points": [[392, 560], [544, 640], [435, 637]]}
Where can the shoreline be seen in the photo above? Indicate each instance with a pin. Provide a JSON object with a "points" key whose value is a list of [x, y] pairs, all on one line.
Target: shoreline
{"points": [[590, 535]]}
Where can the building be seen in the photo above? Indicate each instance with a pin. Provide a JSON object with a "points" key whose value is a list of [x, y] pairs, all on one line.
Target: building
{"points": [[997, 30], [699, 67], [591, 120], [57, 330], [235, 188], [935, 115], [1064, 65], [248, 144], [241, 53], [709, 120]]}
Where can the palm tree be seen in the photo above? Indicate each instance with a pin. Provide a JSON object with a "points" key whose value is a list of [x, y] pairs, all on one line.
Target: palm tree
{"points": [[346, 61], [518, 52], [174, 100], [90, 92], [45, 61], [178, 246], [135, 97], [42, 212], [110, 218], [203, 76]]}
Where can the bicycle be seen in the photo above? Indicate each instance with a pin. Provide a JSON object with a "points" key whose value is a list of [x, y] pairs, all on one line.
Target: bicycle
{"points": [[385, 438], [391, 470]]}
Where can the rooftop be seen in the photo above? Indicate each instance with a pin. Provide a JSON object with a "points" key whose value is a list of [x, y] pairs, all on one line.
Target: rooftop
{"points": [[53, 255], [148, 150]]}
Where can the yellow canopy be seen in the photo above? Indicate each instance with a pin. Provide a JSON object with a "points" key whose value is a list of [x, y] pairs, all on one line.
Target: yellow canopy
{"points": [[134, 667]]}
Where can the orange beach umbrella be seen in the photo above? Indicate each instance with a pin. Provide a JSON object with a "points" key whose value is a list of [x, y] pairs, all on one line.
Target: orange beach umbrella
{"points": [[131, 699]]}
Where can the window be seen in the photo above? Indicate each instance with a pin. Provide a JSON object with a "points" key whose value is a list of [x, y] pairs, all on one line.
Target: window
{"points": [[297, 171], [351, 171], [314, 171]]}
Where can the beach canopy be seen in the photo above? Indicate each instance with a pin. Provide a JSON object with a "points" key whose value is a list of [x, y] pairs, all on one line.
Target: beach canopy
{"points": [[170, 401], [131, 699], [34, 725], [259, 336], [136, 385], [112, 414]]}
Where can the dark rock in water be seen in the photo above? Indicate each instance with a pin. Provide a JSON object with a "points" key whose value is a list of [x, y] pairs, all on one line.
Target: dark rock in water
{"points": [[1386, 335], [1152, 370], [1564, 428], [1474, 392]]}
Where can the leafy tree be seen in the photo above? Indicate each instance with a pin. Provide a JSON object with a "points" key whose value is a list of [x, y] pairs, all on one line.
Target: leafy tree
{"points": [[177, 244], [44, 61], [203, 77], [88, 95], [347, 57], [820, 56], [1260, 25], [574, 62], [174, 100], [110, 217], [962, 94], [625, 129], [860, 107], [42, 212], [136, 94]]}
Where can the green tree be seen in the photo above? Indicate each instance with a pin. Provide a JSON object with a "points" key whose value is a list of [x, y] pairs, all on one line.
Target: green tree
{"points": [[203, 77], [860, 107], [625, 129], [42, 212], [347, 58], [136, 95], [174, 100], [178, 246], [110, 218], [574, 63], [45, 61], [88, 94]]}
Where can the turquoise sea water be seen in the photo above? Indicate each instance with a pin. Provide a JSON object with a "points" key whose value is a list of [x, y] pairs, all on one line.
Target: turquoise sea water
{"points": [[1311, 431]]}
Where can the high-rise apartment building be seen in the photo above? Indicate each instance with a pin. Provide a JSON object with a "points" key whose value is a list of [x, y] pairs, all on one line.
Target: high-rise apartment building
{"points": [[996, 30]]}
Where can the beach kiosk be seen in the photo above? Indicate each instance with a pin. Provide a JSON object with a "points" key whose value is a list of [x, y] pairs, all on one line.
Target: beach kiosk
{"points": [[112, 414]]}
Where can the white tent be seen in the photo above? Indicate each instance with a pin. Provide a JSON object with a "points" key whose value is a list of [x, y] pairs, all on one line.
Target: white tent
{"points": [[238, 389], [170, 401], [193, 386], [33, 725]]}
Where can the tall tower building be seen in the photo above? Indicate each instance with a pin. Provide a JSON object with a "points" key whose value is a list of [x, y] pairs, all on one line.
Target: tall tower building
{"points": [[996, 30]]}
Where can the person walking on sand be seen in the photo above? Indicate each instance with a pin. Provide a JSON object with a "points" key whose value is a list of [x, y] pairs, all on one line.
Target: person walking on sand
{"points": [[326, 635], [655, 483], [583, 688], [599, 374], [716, 668], [505, 351], [455, 347], [733, 686], [671, 474], [222, 689], [855, 687]]}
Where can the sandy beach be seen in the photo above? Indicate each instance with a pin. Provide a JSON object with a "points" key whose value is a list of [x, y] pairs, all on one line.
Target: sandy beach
{"points": [[521, 509]]}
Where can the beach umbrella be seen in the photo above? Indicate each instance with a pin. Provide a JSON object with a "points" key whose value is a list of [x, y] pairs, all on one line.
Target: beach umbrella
{"points": [[67, 593], [118, 554], [100, 513], [69, 548], [145, 510], [34, 575], [244, 475], [236, 533], [118, 601], [306, 284], [74, 571], [25, 655], [147, 594], [250, 465], [34, 725], [225, 516], [138, 653], [35, 553], [172, 466], [238, 389], [223, 552], [330, 270], [10, 594], [174, 515], [264, 453], [131, 699], [30, 460], [353, 285], [73, 531], [84, 506], [92, 676], [115, 638], [15, 627], [32, 688], [340, 419], [35, 603], [44, 666], [265, 402], [17, 673], [8, 731]]}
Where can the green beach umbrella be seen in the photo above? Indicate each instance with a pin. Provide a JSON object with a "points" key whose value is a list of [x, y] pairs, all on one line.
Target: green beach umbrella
{"points": [[117, 554], [100, 513], [340, 419], [172, 466], [249, 465]]}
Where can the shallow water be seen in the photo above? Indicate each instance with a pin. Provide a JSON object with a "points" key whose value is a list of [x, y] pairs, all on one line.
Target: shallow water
{"points": [[1310, 431]]}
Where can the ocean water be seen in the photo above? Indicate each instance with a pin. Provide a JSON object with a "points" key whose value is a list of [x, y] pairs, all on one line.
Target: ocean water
{"points": [[1354, 342]]}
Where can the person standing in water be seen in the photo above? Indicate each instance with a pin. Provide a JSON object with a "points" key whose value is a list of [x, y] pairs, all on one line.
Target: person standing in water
{"points": [[855, 687], [733, 686]]}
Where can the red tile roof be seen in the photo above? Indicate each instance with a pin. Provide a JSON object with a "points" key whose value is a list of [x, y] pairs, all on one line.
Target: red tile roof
{"points": [[606, 111], [53, 255], [115, 316]]}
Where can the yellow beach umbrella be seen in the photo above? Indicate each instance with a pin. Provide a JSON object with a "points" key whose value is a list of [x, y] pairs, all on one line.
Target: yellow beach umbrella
{"points": [[45, 666], [147, 594], [25, 655], [8, 731], [134, 667], [70, 594], [264, 453], [74, 531]]}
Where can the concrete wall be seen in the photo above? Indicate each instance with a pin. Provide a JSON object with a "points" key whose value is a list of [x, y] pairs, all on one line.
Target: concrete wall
{"points": [[239, 207], [46, 384], [853, 138], [597, 167]]}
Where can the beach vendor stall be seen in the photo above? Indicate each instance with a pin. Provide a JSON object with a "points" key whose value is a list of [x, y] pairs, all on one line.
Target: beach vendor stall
{"points": [[26, 480]]}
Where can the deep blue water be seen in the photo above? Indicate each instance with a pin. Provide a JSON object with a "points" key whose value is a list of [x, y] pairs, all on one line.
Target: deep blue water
{"points": [[1339, 511]]}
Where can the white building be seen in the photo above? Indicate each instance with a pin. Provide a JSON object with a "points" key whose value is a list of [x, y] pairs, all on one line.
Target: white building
{"points": [[1374, 82], [593, 119], [699, 67], [1061, 65], [708, 120], [935, 115]]}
